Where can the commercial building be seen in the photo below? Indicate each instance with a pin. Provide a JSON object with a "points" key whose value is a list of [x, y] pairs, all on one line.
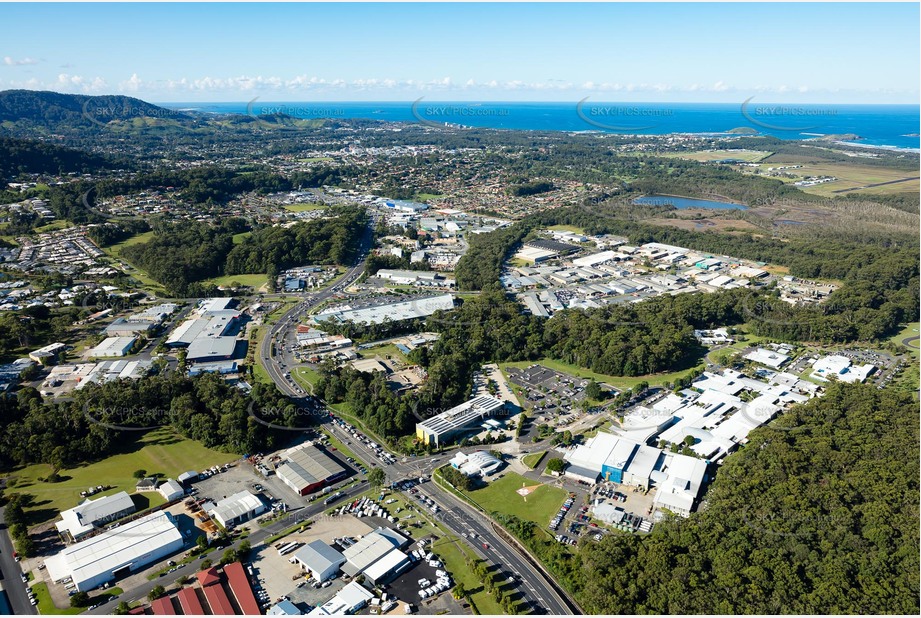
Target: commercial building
{"points": [[113, 346], [117, 553], [393, 312], [415, 277], [458, 420], [319, 559], [841, 369], [107, 371], [121, 327], [377, 556], [284, 608], [241, 590], [349, 600], [308, 469], [237, 509], [171, 490], [769, 358], [47, 354], [88, 515], [680, 483], [207, 349], [478, 463]]}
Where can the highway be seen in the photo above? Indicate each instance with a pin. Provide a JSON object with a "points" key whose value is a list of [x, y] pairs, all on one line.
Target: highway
{"points": [[11, 573]]}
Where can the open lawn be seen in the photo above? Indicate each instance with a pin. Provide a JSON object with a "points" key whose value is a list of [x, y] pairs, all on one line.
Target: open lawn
{"points": [[315, 159], [749, 156], [137, 239], [304, 207], [500, 495], [54, 225], [533, 460], [424, 197], [239, 238], [384, 351], [851, 177], [620, 382], [161, 451], [909, 332], [306, 377], [566, 228], [254, 280]]}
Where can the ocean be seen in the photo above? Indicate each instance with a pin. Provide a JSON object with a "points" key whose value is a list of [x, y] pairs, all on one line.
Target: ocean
{"points": [[886, 126]]}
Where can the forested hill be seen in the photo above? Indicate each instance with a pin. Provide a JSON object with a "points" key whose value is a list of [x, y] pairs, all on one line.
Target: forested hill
{"points": [[60, 112], [18, 156], [818, 515]]}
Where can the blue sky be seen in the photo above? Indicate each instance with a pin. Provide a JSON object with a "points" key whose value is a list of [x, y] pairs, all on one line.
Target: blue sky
{"points": [[818, 53]]}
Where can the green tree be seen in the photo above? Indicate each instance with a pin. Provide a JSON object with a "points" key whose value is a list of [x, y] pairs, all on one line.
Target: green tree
{"points": [[139, 474], [376, 477], [80, 599], [556, 465], [156, 592], [593, 390]]}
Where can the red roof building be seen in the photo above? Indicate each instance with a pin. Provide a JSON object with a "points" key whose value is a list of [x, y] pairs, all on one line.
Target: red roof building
{"points": [[242, 592], [190, 603], [163, 607], [209, 577], [218, 600]]}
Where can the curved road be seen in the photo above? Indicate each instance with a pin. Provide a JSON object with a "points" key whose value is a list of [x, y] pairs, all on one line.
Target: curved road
{"points": [[459, 517]]}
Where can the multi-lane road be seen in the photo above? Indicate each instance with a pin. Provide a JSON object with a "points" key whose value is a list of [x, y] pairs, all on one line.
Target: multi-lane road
{"points": [[11, 574], [459, 517]]}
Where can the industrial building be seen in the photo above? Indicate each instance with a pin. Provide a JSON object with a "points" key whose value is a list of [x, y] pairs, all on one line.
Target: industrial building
{"points": [[349, 600], [393, 312], [87, 516], [113, 346], [120, 327], [205, 349], [458, 420], [377, 556], [769, 358], [171, 490], [319, 559], [48, 353], [308, 469], [107, 371], [679, 490], [478, 463], [841, 369], [117, 553], [237, 509]]}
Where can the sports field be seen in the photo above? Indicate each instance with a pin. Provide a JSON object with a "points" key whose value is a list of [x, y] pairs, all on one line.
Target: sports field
{"points": [[501, 495], [161, 451]]}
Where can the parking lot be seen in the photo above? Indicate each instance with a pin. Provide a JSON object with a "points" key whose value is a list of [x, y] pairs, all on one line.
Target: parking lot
{"points": [[548, 393]]}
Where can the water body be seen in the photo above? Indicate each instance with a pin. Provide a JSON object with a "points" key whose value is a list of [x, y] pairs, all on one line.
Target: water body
{"points": [[894, 126], [683, 203]]}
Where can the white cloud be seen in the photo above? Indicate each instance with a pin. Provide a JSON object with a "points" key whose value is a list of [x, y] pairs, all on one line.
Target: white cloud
{"points": [[12, 62]]}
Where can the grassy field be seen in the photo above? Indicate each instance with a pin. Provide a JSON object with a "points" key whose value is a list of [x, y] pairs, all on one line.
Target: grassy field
{"points": [[383, 351], [137, 239], [141, 275], [539, 506], [54, 225], [534, 459], [161, 451], [424, 197], [566, 228], [909, 330], [749, 156], [620, 382], [306, 377], [254, 280], [852, 176], [315, 159], [239, 238], [304, 207]]}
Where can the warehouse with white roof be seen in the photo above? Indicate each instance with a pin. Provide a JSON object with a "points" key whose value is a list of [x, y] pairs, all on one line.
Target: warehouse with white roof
{"points": [[237, 509], [319, 559], [84, 518], [117, 553]]}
